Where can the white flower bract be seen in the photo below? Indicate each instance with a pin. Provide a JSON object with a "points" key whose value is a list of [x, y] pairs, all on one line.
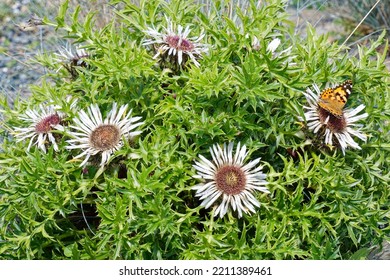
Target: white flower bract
{"points": [[94, 135], [42, 124], [228, 180], [176, 43], [71, 54], [345, 130], [273, 45]]}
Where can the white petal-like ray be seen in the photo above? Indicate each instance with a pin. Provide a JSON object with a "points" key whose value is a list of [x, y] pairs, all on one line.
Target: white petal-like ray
{"points": [[209, 191], [192, 48], [343, 137], [87, 122], [33, 117]]}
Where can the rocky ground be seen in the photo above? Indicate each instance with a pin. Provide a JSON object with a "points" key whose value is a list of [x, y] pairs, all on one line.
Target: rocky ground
{"points": [[17, 49], [21, 42]]}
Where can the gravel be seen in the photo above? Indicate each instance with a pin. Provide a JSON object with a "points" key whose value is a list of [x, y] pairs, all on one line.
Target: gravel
{"points": [[19, 45]]}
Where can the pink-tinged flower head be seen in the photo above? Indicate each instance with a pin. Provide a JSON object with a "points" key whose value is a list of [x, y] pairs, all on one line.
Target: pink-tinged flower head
{"points": [[42, 123], [335, 129], [174, 44]]}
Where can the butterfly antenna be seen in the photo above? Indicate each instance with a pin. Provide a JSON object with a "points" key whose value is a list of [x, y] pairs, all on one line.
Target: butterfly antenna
{"points": [[373, 7]]}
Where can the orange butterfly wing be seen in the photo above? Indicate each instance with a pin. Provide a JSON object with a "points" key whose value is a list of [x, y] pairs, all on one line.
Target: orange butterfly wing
{"points": [[333, 99]]}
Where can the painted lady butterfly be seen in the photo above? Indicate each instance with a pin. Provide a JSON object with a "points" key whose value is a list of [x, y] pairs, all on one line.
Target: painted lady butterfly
{"points": [[333, 99]]}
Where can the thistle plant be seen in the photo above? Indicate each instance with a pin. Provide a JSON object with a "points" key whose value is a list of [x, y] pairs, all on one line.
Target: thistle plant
{"points": [[175, 152]]}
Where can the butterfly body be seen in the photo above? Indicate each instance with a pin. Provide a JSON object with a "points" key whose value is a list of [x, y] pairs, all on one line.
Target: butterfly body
{"points": [[333, 99]]}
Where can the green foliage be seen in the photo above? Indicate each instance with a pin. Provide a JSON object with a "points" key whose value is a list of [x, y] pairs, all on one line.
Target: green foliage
{"points": [[322, 205]]}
